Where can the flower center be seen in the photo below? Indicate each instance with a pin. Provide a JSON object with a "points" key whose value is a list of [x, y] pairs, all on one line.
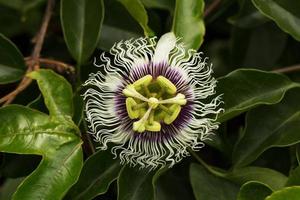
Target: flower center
{"points": [[152, 101]]}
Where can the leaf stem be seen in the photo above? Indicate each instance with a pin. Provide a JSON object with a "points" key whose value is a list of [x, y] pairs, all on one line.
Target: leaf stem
{"points": [[288, 69], [211, 7]]}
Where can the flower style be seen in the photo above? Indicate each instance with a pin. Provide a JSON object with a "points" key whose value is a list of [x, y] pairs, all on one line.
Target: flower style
{"points": [[151, 101]]}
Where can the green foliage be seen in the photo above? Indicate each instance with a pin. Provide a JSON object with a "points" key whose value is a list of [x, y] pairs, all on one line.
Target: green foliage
{"points": [[188, 22], [81, 22], [284, 12], [46, 151], [254, 190], [12, 65]]}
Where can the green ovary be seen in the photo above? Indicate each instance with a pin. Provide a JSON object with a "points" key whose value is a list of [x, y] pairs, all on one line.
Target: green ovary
{"points": [[151, 102]]}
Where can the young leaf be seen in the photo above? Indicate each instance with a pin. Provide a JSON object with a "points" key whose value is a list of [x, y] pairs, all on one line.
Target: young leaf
{"points": [[139, 13], [288, 193], [98, 172], [209, 187], [55, 138], [244, 89], [254, 190], [284, 12], [277, 126], [12, 65], [81, 22], [188, 22]]}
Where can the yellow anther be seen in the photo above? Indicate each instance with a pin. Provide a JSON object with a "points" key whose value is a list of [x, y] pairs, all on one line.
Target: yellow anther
{"points": [[165, 83], [153, 102], [145, 81], [154, 126], [175, 109], [130, 104]]}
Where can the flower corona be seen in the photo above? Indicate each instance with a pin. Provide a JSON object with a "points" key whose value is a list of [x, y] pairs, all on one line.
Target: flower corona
{"points": [[153, 101]]}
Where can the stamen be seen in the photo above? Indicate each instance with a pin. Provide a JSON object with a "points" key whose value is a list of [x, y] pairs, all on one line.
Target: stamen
{"points": [[130, 91], [178, 99], [139, 125]]}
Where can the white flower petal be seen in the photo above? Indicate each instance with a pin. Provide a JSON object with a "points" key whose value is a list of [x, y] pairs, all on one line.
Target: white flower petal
{"points": [[165, 44]]}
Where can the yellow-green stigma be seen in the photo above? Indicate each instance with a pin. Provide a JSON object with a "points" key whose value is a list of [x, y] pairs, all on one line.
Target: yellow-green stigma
{"points": [[152, 101]]}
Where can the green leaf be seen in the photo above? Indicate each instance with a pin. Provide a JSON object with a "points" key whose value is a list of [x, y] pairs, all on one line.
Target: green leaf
{"points": [[188, 22], [98, 172], [294, 178], [254, 190], [160, 4], [140, 186], [259, 88], [272, 178], [55, 138], [12, 65], [209, 187], [284, 12], [139, 13], [278, 126], [81, 22], [288, 193], [118, 25], [56, 94]]}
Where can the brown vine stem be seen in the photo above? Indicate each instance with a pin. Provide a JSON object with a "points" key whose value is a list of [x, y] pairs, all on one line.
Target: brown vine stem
{"points": [[34, 63], [211, 7], [289, 69], [53, 64]]}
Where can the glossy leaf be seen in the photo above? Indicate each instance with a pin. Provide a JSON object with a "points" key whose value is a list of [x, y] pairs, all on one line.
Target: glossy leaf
{"points": [[27, 131], [209, 187], [139, 13], [294, 177], [274, 129], [289, 193], [188, 22], [254, 190], [12, 65], [140, 186], [272, 178], [57, 96], [161, 4], [284, 12], [118, 25], [81, 22], [98, 172], [244, 89]]}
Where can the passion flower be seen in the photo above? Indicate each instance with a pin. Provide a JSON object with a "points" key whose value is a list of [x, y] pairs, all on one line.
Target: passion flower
{"points": [[152, 101]]}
